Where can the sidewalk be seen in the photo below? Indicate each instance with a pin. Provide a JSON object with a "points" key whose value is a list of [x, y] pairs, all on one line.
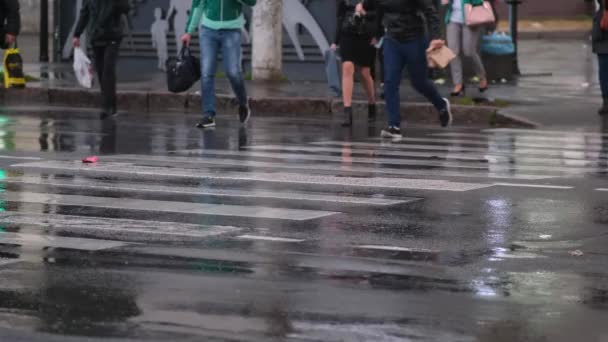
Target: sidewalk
{"points": [[558, 88]]}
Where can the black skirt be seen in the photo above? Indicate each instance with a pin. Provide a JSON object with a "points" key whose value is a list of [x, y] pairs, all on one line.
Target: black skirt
{"points": [[358, 50]]}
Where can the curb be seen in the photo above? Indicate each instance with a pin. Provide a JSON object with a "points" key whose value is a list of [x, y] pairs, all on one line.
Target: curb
{"points": [[155, 102], [555, 35]]}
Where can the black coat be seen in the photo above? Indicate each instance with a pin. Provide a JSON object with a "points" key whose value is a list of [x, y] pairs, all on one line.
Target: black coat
{"points": [[102, 19], [10, 19], [402, 20], [600, 37], [348, 24]]}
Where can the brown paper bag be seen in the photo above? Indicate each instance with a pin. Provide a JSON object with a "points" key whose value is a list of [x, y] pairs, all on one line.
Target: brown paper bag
{"points": [[440, 58]]}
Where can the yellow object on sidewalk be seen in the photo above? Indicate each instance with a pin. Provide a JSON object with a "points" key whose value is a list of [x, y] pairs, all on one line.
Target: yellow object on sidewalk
{"points": [[13, 69]]}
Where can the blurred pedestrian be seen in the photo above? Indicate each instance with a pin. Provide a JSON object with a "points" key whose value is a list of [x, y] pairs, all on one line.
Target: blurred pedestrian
{"points": [[355, 36], [10, 22], [405, 43], [220, 24], [465, 39], [600, 47], [103, 20]]}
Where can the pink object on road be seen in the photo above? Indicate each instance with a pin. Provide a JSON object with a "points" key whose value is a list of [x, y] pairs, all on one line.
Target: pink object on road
{"points": [[90, 160]]}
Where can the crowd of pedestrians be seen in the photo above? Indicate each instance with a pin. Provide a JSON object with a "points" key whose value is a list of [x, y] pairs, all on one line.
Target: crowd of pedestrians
{"points": [[400, 32]]}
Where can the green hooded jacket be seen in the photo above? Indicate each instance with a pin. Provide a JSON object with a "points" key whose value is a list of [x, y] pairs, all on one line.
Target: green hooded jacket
{"points": [[217, 14]]}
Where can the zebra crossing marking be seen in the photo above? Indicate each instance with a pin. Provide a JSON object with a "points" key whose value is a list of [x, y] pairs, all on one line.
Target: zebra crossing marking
{"points": [[293, 178], [395, 249], [168, 206], [478, 165], [538, 186], [103, 224], [329, 167], [488, 156], [498, 150], [32, 240], [310, 197], [269, 238], [6, 262]]}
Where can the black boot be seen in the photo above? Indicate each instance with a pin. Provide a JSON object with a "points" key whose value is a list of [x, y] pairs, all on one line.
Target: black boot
{"points": [[604, 110], [371, 112], [348, 117]]}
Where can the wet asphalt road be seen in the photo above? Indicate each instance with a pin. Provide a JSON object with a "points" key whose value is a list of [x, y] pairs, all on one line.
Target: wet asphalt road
{"points": [[291, 230]]}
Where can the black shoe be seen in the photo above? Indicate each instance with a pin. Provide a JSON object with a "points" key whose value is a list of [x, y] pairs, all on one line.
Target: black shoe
{"points": [[207, 122], [372, 111], [462, 92], [244, 113], [604, 110], [445, 115], [392, 133], [348, 117]]}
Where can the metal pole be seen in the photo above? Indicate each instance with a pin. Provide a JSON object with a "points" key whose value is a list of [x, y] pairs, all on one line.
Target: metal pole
{"points": [[56, 31], [513, 18], [44, 31]]}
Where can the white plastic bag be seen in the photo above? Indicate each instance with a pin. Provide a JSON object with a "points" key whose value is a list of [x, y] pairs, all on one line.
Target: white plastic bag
{"points": [[83, 68]]}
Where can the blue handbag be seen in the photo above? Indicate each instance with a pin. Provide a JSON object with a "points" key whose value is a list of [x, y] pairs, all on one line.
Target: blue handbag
{"points": [[497, 44]]}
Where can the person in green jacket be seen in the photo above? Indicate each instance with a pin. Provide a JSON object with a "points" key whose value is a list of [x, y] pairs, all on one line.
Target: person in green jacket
{"points": [[466, 39], [220, 23]]}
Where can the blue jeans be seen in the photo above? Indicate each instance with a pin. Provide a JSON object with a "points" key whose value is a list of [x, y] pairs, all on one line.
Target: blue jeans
{"points": [[396, 56], [603, 69], [229, 41]]}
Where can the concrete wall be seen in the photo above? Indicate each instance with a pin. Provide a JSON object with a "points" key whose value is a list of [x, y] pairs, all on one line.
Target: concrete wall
{"points": [[30, 16], [531, 9]]}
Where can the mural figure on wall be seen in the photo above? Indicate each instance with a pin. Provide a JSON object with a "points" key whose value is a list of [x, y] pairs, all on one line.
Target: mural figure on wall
{"points": [[159, 31], [181, 9], [69, 47], [294, 13]]}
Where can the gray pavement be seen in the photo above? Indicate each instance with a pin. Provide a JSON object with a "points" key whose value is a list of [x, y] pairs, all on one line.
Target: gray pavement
{"points": [[559, 86], [295, 230]]}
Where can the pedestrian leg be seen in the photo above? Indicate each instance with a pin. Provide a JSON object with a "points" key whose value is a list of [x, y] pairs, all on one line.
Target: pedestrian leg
{"points": [[394, 62], [231, 53]]}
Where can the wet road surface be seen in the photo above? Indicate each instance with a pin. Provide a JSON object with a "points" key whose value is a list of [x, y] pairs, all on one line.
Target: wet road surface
{"points": [[293, 230]]}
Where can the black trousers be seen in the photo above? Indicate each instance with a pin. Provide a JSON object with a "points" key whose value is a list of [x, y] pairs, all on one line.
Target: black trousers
{"points": [[106, 57]]}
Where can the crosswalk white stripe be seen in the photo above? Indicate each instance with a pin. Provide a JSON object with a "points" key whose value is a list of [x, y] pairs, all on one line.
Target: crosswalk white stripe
{"points": [[489, 156], [103, 224], [500, 150], [601, 189], [538, 186], [395, 249], [329, 167], [278, 177], [537, 132], [269, 238], [168, 206], [33, 240], [501, 143], [19, 158], [496, 167], [571, 140], [126, 187], [6, 262]]}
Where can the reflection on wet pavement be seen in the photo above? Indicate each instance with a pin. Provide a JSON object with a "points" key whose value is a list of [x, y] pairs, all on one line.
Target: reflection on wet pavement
{"points": [[295, 230]]}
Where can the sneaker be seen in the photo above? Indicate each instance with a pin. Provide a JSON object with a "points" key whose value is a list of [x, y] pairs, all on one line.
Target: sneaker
{"points": [[445, 115], [391, 132], [207, 122], [244, 113]]}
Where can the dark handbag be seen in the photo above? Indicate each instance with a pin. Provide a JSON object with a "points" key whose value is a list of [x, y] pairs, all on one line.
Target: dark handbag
{"points": [[183, 71]]}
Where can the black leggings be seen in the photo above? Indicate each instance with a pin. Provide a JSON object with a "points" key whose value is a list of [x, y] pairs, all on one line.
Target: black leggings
{"points": [[106, 56]]}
